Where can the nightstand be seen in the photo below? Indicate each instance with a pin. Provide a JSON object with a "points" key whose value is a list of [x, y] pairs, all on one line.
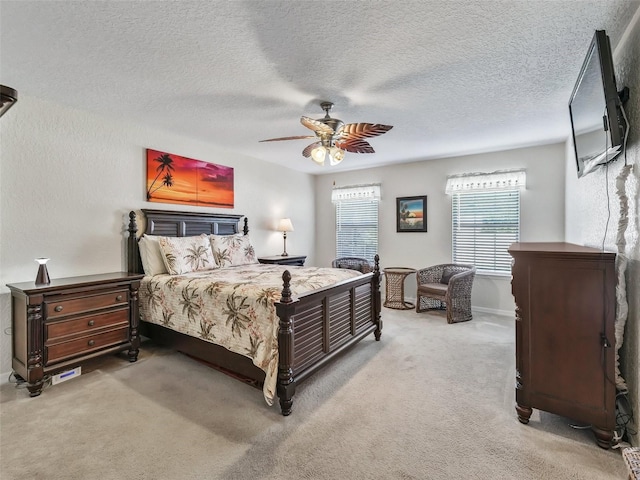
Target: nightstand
{"points": [[57, 326], [288, 260]]}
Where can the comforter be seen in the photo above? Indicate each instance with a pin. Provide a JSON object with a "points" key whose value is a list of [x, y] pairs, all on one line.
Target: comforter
{"points": [[232, 307]]}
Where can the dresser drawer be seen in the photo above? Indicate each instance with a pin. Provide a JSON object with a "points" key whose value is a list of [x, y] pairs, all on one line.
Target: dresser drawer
{"points": [[86, 324], [84, 345], [59, 307]]}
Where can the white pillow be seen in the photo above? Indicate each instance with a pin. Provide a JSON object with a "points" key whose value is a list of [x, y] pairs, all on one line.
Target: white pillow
{"points": [[151, 256], [232, 250], [187, 254]]}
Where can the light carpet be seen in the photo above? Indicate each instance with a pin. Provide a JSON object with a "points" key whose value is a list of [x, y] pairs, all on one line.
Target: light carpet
{"points": [[429, 401]]}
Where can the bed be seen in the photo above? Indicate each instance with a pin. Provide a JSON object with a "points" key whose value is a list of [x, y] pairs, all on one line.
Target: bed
{"points": [[309, 329]]}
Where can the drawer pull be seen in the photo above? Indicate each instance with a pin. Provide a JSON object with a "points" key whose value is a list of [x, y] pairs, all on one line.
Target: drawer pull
{"points": [[119, 298], [91, 343], [58, 308], [91, 323]]}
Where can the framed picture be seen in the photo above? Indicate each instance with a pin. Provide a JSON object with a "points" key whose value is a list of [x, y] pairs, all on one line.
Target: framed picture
{"points": [[411, 214], [175, 179]]}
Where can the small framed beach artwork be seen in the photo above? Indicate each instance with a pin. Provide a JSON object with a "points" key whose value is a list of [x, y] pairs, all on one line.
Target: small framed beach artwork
{"points": [[411, 214]]}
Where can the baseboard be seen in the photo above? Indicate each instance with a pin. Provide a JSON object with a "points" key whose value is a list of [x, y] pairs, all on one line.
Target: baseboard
{"points": [[493, 311]]}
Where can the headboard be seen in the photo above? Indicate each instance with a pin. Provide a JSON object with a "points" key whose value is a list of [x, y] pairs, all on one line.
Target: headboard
{"points": [[178, 224]]}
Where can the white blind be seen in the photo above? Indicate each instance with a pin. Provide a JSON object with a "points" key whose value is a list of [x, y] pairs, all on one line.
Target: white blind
{"points": [[357, 229], [485, 224]]}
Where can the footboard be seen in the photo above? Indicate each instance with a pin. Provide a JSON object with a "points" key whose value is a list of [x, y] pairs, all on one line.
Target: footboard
{"points": [[320, 325]]}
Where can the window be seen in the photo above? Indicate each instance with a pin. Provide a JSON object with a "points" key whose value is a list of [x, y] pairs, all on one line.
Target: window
{"points": [[484, 225], [485, 216], [357, 221]]}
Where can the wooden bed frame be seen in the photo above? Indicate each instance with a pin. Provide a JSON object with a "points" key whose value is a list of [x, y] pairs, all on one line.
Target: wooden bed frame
{"points": [[314, 328]]}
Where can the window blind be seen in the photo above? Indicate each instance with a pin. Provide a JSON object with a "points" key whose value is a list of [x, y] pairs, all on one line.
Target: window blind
{"points": [[357, 229], [485, 224]]}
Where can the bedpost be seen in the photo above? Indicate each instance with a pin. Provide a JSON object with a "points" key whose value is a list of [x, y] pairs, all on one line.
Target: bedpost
{"points": [[133, 256], [245, 229], [285, 308], [377, 301]]}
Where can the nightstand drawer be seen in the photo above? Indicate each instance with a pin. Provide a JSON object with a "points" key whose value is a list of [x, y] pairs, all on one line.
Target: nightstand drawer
{"points": [[86, 303], [64, 328], [81, 346]]}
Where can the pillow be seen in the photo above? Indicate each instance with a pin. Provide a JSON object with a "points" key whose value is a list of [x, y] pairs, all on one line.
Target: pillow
{"points": [[151, 255], [447, 273], [187, 254], [232, 250]]}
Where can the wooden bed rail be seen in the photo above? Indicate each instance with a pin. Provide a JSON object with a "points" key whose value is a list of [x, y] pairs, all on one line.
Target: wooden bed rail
{"points": [[286, 310]]}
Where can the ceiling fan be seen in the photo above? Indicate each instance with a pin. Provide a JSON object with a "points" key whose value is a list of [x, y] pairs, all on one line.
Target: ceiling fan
{"points": [[335, 137]]}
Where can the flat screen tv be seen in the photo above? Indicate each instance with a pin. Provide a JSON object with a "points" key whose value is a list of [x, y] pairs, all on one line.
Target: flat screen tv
{"points": [[597, 120]]}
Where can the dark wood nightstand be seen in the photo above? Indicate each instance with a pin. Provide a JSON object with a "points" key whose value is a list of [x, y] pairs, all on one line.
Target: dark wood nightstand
{"points": [[288, 260], [59, 325]]}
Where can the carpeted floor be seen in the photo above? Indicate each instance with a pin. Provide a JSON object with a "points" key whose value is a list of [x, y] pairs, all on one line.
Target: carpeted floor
{"points": [[430, 401]]}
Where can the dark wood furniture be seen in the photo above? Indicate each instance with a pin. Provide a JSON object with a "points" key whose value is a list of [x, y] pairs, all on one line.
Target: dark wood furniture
{"points": [[288, 260], [565, 312], [315, 328], [394, 287], [57, 326]]}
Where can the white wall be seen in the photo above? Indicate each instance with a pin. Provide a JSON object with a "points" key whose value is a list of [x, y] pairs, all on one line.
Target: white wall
{"points": [[542, 212], [68, 180], [592, 199]]}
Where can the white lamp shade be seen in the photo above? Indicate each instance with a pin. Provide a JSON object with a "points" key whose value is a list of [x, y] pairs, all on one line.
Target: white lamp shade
{"points": [[285, 225], [335, 156], [318, 154], [321, 154]]}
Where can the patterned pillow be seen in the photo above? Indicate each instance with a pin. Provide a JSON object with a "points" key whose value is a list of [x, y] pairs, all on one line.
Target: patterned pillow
{"points": [[232, 250], [187, 254]]}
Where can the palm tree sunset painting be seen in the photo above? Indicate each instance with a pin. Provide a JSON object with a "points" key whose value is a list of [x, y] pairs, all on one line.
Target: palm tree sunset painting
{"points": [[175, 179]]}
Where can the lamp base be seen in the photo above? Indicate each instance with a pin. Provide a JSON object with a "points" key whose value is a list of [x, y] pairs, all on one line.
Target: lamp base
{"points": [[43, 275], [284, 254]]}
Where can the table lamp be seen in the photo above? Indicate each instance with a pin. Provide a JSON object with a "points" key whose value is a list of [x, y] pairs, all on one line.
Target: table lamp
{"points": [[285, 226]]}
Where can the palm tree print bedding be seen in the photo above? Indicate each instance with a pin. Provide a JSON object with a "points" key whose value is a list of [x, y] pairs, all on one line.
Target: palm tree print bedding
{"points": [[232, 307]]}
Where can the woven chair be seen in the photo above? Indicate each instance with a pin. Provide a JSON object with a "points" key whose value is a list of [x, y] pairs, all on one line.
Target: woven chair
{"points": [[353, 263], [631, 457], [446, 286]]}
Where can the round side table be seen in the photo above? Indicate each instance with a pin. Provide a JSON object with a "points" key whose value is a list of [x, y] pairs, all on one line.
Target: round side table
{"points": [[394, 287]]}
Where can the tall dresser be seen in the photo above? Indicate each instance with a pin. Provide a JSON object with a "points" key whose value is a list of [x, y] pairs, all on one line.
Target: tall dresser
{"points": [[565, 341]]}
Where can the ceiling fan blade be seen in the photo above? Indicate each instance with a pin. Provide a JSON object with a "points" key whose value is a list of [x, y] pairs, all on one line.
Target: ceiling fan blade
{"points": [[316, 125], [307, 151], [298, 137], [364, 130], [355, 146]]}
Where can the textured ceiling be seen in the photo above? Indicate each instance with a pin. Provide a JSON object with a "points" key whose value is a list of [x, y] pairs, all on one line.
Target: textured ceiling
{"points": [[453, 77]]}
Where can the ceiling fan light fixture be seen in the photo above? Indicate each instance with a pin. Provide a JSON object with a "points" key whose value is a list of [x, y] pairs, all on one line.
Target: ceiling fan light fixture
{"points": [[321, 154], [335, 156], [318, 155], [334, 137]]}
